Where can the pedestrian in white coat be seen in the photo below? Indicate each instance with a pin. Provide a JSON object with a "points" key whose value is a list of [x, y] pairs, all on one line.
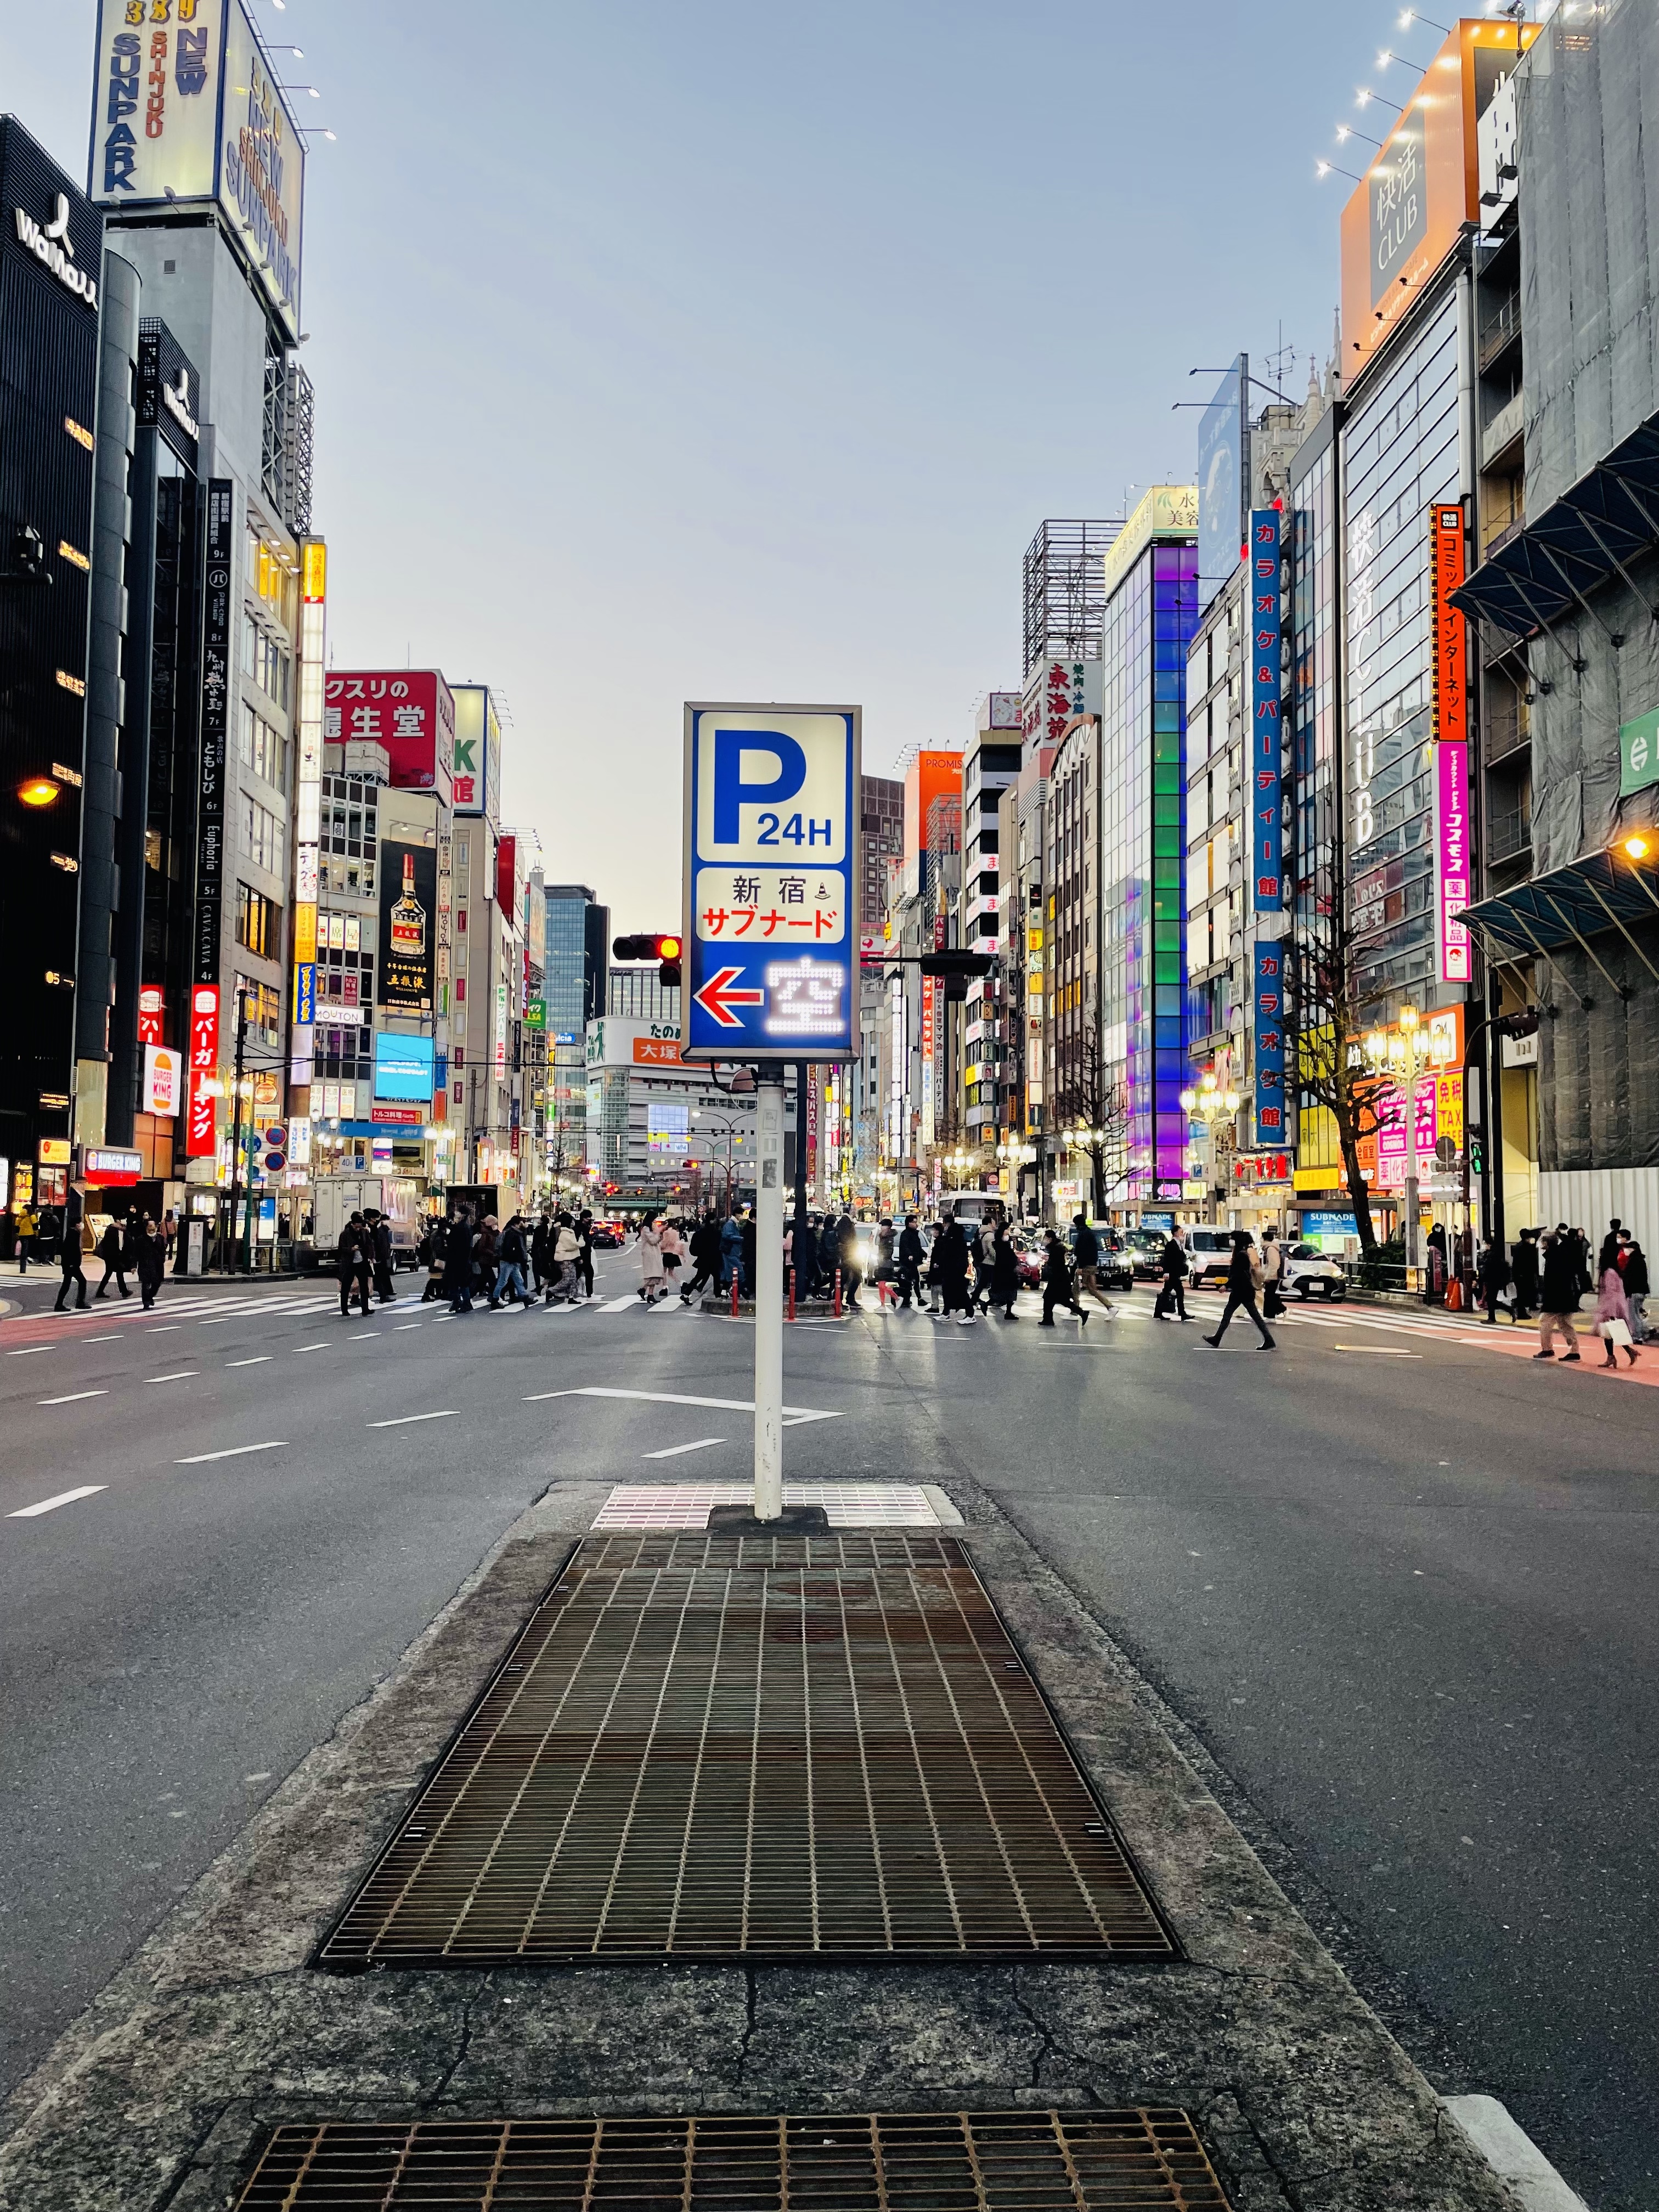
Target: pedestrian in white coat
{"points": [[654, 1280]]}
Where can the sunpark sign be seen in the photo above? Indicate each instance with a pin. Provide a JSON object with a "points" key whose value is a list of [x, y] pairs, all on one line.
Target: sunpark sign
{"points": [[771, 934]]}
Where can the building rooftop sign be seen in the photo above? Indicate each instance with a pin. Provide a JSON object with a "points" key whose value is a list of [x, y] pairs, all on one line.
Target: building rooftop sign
{"points": [[190, 113], [1165, 511]]}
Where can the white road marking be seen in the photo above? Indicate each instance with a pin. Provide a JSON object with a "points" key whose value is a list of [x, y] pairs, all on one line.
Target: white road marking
{"points": [[166, 1328], [260, 1359], [100, 1339], [71, 1398], [24, 1350], [363, 1336], [794, 1415], [51, 1504], [402, 1420], [1378, 1351], [402, 1325], [621, 1305], [235, 1451], [322, 1346], [674, 1450], [178, 1374]]}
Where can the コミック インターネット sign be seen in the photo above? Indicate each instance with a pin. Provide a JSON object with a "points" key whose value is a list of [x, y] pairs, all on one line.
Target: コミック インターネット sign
{"points": [[770, 959]]}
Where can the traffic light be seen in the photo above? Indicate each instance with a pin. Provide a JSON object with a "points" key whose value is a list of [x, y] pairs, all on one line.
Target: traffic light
{"points": [[664, 950], [1477, 1156], [955, 969]]}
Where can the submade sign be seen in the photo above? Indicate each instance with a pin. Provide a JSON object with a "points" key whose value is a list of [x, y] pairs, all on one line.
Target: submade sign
{"points": [[771, 933]]}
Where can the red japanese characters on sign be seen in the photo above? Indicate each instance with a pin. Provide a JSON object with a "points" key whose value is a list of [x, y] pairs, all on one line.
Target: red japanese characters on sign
{"points": [[150, 1015], [776, 904], [408, 711], [199, 1140]]}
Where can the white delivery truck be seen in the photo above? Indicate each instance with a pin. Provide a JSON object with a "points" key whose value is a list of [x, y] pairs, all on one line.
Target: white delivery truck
{"points": [[335, 1199]]}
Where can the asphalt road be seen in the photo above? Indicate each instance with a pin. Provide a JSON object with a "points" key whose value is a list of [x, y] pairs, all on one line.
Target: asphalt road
{"points": [[1395, 1578]]}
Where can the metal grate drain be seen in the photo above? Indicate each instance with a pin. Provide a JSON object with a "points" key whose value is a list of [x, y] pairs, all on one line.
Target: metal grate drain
{"points": [[716, 1747], [841, 2162]]}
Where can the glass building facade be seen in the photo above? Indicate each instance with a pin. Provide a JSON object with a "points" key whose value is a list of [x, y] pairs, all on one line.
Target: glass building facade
{"points": [[565, 976], [1149, 624], [1400, 453]]}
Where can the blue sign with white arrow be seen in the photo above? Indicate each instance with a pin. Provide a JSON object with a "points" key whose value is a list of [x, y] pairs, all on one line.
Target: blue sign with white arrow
{"points": [[770, 959]]}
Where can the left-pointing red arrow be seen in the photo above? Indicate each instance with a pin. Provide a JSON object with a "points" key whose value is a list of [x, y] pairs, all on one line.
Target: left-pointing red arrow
{"points": [[718, 997]]}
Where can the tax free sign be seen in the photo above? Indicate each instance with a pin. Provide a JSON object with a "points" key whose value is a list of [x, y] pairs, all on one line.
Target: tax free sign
{"points": [[770, 958]]}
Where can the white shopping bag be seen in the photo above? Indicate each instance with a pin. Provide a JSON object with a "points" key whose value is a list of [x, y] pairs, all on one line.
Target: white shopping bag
{"points": [[1616, 1332]]}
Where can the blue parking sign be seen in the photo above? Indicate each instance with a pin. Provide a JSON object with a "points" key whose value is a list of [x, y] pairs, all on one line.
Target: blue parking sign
{"points": [[770, 958]]}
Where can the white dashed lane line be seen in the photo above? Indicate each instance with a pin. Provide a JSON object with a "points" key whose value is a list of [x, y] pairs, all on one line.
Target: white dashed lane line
{"points": [[51, 1504], [233, 1451], [178, 1374], [260, 1359], [402, 1420], [72, 1397]]}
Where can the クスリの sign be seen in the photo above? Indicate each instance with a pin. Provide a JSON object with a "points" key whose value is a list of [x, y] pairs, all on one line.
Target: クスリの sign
{"points": [[771, 885]]}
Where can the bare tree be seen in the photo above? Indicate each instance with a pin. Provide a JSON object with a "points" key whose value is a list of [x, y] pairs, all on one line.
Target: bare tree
{"points": [[1330, 1068]]}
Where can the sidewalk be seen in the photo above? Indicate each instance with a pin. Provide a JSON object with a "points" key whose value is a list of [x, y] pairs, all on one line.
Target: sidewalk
{"points": [[221, 2028]]}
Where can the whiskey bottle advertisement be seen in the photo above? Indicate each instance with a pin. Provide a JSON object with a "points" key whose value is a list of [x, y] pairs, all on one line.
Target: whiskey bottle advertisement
{"points": [[409, 903]]}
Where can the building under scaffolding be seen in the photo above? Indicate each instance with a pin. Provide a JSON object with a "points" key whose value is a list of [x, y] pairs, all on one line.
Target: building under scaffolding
{"points": [[1064, 591]]}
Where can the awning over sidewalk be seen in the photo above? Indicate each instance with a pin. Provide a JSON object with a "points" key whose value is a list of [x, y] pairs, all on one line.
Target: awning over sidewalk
{"points": [[1602, 892], [1606, 519]]}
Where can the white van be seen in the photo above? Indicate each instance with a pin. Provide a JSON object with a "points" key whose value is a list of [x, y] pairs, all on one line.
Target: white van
{"points": [[1209, 1255]]}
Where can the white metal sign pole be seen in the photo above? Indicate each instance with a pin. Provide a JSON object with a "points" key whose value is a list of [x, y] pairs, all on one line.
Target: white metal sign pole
{"points": [[768, 1296]]}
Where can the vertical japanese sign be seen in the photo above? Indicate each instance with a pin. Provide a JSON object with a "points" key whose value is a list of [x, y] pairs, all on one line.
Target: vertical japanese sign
{"points": [[770, 882], [215, 723], [307, 807], [199, 1140], [1269, 1000], [1452, 883], [1265, 797], [1451, 838], [405, 981], [929, 1102]]}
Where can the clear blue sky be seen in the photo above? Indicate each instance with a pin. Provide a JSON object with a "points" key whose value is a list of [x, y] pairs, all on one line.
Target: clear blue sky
{"points": [[737, 351]]}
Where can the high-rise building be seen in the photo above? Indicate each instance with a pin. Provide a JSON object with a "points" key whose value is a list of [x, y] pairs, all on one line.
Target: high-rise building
{"points": [[881, 839], [577, 929], [990, 764], [51, 280], [1139, 833]]}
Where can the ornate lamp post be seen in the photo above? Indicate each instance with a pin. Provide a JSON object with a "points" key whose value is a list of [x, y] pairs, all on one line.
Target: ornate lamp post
{"points": [[1210, 1105]]}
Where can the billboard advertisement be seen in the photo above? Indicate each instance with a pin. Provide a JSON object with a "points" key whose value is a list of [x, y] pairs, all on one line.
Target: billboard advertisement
{"points": [[199, 1136], [402, 1067], [407, 971], [213, 765], [189, 110], [771, 885], [478, 753], [1223, 444], [668, 1130], [1269, 1002], [1404, 217], [1266, 770], [409, 711], [163, 1078]]}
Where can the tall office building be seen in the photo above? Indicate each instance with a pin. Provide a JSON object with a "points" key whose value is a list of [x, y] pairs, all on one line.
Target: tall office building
{"points": [[881, 839], [51, 277]]}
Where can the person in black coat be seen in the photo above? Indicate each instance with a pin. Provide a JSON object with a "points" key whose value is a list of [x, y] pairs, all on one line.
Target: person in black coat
{"points": [[1243, 1276], [149, 1259], [1005, 1272], [380, 1256], [1173, 1262], [1057, 1284], [541, 1250], [705, 1255], [950, 1263], [1494, 1280], [909, 1255], [1559, 1293], [458, 1262], [847, 1259], [1524, 1271], [117, 1256], [353, 1263]]}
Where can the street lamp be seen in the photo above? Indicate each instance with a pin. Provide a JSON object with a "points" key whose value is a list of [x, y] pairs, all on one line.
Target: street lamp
{"points": [[1210, 1105]]}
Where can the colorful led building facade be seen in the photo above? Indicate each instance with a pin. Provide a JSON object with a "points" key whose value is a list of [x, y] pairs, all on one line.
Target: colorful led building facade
{"points": [[1149, 619]]}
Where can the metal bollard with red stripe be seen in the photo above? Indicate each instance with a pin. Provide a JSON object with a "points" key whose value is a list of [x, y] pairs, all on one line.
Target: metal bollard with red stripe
{"points": [[737, 1280], [792, 1294], [838, 1294]]}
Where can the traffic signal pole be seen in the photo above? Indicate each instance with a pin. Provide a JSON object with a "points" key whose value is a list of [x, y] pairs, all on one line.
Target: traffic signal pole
{"points": [[768, 1296]]}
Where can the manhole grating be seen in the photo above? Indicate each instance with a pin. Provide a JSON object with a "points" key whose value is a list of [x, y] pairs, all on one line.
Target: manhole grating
{"points": [[716, 1747], [840, 2162]]}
